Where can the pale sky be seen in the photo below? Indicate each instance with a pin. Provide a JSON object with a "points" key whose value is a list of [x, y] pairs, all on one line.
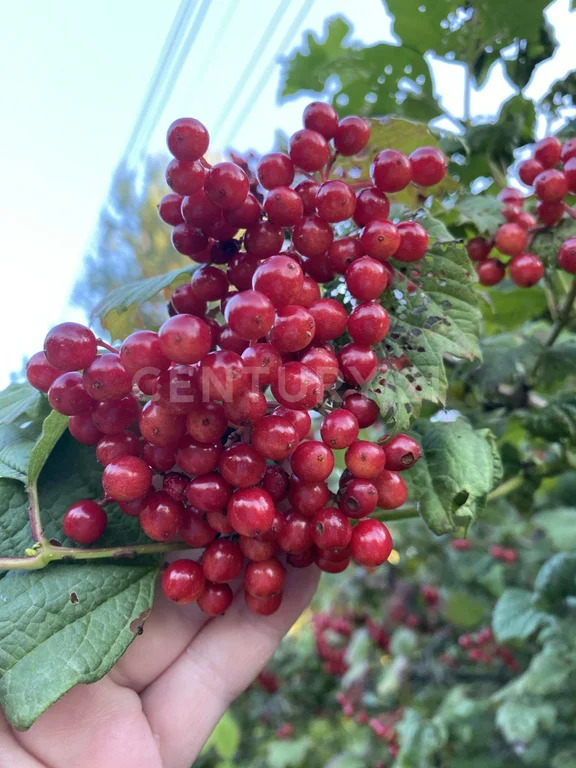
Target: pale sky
{"points": [[74, 77]]}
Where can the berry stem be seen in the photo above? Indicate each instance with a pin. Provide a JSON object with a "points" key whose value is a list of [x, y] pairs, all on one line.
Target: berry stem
{"points": [[105, 345], [360, 185], [569, 210], [36, 527]]}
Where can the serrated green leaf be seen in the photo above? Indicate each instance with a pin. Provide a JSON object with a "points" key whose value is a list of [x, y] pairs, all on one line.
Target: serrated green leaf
{"points": [[420, 739], [52, 429], [74, 640], [439, 318], [521, 723], [17, 400], [515, 617], [122, 299], [482, 212], [458, 468], [463, 610], [288, 754]]}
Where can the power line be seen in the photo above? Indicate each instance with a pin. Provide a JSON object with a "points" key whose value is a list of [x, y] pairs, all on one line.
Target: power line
{"points": [[221, 29], [242, 81], [267, 71]]}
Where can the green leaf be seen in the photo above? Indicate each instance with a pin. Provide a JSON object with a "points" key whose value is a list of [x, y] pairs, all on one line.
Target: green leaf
{"points": [[52, 429], [225, 738], [463, 610], [288, 754], [75, 639], [483, 212], [521, 723], [558, 362], [458, 468], [507, 358], [15, 533], [556, 420], [420, 740], [507, 307], [515, 617], [559, 526], [16, 446], [121, 300], [17, 400], [556, 580], [547, 244], [439, 318]]}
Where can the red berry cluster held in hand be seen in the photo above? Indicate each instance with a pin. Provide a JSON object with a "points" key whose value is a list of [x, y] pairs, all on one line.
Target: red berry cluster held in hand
{"points": [[219, 430], [551, 173]]}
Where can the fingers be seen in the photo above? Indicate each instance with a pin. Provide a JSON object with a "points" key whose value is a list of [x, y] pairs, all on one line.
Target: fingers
{"points": [[92, 726], [184, 704], [12, 755]]}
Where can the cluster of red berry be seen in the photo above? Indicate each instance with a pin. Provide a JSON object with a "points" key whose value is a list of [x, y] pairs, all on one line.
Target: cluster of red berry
{"points": [[224, 456], [550, 187], [481, 648], [382, 725], [506, 554]]}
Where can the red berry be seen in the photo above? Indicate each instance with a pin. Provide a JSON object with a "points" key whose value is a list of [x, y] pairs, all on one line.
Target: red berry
{"points": [[428, 166], [297, 386], [365, 459], [324, 362], [567, 255], [106, 378], [198, 458], [312, 461], [307, 498], [300, 420], [249, 408], [185, 339], [227, 185], [491, 271], [84, 522], [222, 561], [330, 319], [208, 493], [309, 150], [250, 314], [264, 606], [161, 426], [142, 350], [511, 239], [413, 241], [40, 374], [187, 139], [365, 409], [358, 497], [322, 118], [265, 578], [160, 458], [68, 396], [275, 438], [113, 446], [391, 171], [223, 376], [296, 535], [207, 422], [352, 135], [528, 170], [275, 481], [358, 364], [343, 252], [283, 206], [210, 283], [380, 239], [251, 511], [241, 465], [371, 204], [174, 484], [339, 429], [366, 278], [549, 213], [526, 269], [70, 347], [312, 236], [330, 529], [216, 599], [261, 362], [368, 324], [275, 170], [186, 302], [307, 190], [246, 214], [161, 516], [402, 452], [183, 581], [185, 177], [548, 151], [335, 201], [551, 186], [478, 248], [293, 329], [371, 543], [127, 478], [82, 428], [169, 209], [280, 278], [195, 531], [391, 488]]}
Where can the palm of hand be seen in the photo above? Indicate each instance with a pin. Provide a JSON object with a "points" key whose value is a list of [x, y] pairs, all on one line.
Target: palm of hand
{"points": [[157, 706]]}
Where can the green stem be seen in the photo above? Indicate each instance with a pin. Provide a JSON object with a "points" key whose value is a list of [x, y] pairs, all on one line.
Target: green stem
{"points": [[34, 517], [392, 515], [506, 487]]}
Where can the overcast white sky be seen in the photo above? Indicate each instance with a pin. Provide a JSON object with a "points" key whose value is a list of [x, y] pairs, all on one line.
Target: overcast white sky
{"points": [[74, 77]]}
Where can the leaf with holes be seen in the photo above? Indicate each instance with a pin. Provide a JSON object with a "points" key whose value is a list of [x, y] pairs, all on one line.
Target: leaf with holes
{"points": [[436, 315], [122, 300], [458, 469]]}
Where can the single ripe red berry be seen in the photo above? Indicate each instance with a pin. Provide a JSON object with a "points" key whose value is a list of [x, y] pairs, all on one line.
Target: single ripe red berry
{"points": [[343, 252], [222, 561], [296, 536], [380, 239], [250, 314], [300, 420], [127, 478], [185, 177], [70, 347], [210, 283], [174, 484], [551, 186], [280, 278], [371, 204], [208, 493], [391, 171], [196, 530], [312, 236], [251, 511], [309, 150], [186, 302], [227, 185], [40, 374], [365, 409], [371, 543], [187, 139], [297, 386], [491, 272], [68, 396], [549, 213], [478, 248], [365, 459], [511, 196], [141, 350], [170, 209], [368, 324], [322, 118], [413, 241], [528, 170], [82, 428], [106, 378], [323, 362], [312, 461], [275, 481], [548, 151], [330, 529], [241, 465], [261, 362], [246, 214], [567, 255], [526, 269], [275, 170], [283, 206], [249, 408], [335, 201], [113, 446], [428, 166], [293, 329], [339, 429], [185, 339], [330, 319], [307, 498], [358, 497], [366, 278], [402, 452], [264, 606], [160, 426], [358, 364], [275, 437], [207, 422], [352, 135], [265, 578], [183, 581], [511, 239], [391, 489], [161, 516], [84, 522], [215, 599]]}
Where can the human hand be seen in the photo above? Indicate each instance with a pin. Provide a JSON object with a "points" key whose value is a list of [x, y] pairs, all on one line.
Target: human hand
{"points": [[158, 705]]}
